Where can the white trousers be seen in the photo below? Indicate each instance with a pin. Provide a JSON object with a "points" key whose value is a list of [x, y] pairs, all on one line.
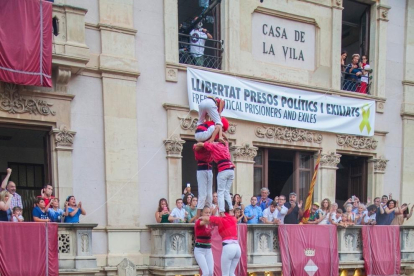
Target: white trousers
{"points": [[230, 257], [204, 258], [205, 188], [204, 135], [208, 106], [224, 182]]}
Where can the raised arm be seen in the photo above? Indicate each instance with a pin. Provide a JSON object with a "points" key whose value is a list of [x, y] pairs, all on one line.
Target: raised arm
{"points": [[6, 179]]}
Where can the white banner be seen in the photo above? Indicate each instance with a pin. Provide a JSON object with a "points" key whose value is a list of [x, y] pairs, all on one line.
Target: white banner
{"points": [[277, 105]]}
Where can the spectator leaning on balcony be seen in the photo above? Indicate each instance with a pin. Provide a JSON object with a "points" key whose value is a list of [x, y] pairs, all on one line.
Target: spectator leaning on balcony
{"points": [[163, 211], [281, 208], [192, 210], [40, 211], [46, 194], [10, 186], [198, 38], [270, 214], [252, 212], [54, 212], [73, 211], [237, 202], [369, 217], [352, 74], [363, 87], [389, 212], [314, 214], [381, 217], [263, 200], [295, 211], [178, 214], [399, 214], [5, 201]]}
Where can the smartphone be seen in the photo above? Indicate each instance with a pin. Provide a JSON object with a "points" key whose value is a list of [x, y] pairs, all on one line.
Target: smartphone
{"points": [[165, 209], [188, 184], [353, 198]]}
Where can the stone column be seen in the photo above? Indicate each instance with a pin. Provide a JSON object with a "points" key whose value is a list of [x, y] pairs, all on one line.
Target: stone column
{"points": [[376, 171], [380, 54], [63, 147], [326, 185], [174, 147], [407, 111], [243, 157], [336, 43], [119, 68]]}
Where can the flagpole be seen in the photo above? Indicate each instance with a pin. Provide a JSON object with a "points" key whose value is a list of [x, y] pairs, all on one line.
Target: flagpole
{"points": [[308, 204]]}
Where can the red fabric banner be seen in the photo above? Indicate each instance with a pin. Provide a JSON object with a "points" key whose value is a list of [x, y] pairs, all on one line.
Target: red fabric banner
{"points": [[216, 247], [26, 42], [381, 250], [29, 248], [309, 250]]}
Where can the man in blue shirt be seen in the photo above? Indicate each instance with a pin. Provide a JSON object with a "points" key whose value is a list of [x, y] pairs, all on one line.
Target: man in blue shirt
{"points": [[264, 201], [252, 212]]}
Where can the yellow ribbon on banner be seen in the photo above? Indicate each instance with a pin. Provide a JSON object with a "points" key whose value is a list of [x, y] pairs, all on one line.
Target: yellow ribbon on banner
{"points": [[365, 119]]}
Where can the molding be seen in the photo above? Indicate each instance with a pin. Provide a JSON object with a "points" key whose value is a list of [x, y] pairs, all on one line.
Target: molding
{"points": [[183, 67], [407, 82], [178, 107], [48, 95], [12, 102], [245, 152], [232, 128], [356, 142], [380, 133], [285, 15], [71, 8], [116, 73], [317, 3], [380, 164], [62, 79], [114, 28], [91, 26], [188, 123], [383, 12], [171, 74], [63, 137], [174, 147], [76, 63], [330, 160], [288, 134]]}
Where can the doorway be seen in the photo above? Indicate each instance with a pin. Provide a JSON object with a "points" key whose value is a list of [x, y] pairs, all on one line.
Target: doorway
{"points": [[27, 153], [351, 178]]}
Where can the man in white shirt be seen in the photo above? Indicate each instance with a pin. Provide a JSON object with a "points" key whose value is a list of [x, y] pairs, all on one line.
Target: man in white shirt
{"points": [[270, 214], [369, 216], [198, 38], [281, 208], [178, 214]]}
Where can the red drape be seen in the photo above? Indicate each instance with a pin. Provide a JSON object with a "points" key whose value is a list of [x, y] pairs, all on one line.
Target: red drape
{"points": [[26, 42], [28, 248], [309, 250], [216, 247], [381, 249]]}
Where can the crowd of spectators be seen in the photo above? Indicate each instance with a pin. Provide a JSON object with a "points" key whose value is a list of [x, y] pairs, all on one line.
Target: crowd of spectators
{"points": [[45, 209], [262, 209], [355, 74]]}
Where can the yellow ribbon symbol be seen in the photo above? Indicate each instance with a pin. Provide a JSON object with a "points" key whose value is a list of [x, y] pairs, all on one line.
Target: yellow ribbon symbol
{"points": [[365, 119]]}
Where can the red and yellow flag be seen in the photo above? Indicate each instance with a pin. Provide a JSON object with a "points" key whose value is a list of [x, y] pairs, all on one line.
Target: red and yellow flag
{"points": [[308, 204]]}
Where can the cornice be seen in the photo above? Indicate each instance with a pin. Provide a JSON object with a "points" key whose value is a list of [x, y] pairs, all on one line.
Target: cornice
{"points": [[183, 67], [285, 15], [171, 106], [108, 27]]}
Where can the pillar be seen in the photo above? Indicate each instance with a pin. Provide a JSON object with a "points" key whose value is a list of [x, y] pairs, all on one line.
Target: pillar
{"points": [[326, 185], [336, 43], [174, 148], [376, 171], [243, 158]]}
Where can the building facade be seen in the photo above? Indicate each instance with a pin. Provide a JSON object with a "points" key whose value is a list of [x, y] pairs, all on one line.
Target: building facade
{"points": [[117, 132]]}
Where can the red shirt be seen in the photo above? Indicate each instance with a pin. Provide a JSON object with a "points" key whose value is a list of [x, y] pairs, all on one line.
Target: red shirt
{"points": [[47, 200], [204, 126], [202, 232], [202, 155], [227, 226], [221, 155]]}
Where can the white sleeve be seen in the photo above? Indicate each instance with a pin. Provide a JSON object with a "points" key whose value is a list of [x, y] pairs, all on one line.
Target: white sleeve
{"points": [[283, 210]]}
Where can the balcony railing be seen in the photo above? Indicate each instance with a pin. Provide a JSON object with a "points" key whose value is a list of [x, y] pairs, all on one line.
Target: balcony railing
{"points": [[209, 55], [172, 246], [359, 81]]}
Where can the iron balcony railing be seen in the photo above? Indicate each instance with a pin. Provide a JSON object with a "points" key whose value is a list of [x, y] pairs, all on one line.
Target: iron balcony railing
{"points": [[209, 55], [357, 80]]}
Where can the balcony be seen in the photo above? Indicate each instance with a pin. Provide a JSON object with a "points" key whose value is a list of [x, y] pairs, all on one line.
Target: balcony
{"points": [[208, 54], [358, 80], [172, 247]]}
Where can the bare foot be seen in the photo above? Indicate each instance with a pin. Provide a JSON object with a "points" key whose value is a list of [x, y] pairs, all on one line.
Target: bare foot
{"points": [[221, 140]]}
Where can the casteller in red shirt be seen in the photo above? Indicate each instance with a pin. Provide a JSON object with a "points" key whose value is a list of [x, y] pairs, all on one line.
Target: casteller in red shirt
{"points": [[221, 155], [227, 226]]}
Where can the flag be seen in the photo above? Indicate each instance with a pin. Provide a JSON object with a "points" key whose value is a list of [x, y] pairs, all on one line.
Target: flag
{"points": [[308, 204]]}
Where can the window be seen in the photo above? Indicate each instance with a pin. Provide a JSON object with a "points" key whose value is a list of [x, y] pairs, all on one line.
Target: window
{"points": [[283, 172], [199, 33], [355, 42]]}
